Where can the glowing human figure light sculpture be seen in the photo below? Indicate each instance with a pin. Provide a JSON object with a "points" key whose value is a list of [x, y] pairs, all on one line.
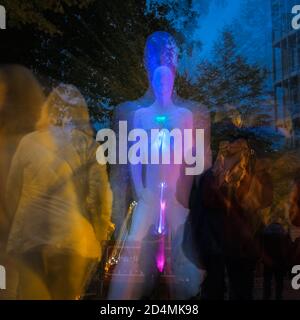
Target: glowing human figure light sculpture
{"points": [[155, 217]]}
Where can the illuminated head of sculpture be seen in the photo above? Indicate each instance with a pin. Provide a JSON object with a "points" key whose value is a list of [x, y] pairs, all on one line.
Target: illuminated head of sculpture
{"points": [[160, 50], [162, 84]]}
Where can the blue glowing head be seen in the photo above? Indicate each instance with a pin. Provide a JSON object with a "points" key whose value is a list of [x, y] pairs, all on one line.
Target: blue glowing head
{"points": [[163, 83], [160, 50]]}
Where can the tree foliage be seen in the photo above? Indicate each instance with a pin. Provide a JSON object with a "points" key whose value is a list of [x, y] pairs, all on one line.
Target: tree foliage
{"points": [[100, 50], [36, 12], [230, 80]]}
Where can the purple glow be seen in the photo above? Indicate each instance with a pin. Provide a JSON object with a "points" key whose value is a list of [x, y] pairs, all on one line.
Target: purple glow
{"points": [[160, 257], [161, 224]]}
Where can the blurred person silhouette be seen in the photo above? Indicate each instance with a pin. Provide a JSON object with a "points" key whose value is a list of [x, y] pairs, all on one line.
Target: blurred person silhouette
{"points": [[294, 209], [59, 200], [224, 219], [276, 258], [21, 99], [294, 215], [160, 50]]}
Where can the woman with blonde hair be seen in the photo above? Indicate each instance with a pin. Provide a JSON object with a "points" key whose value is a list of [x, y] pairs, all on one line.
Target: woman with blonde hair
{"points": [[62, 201], [21, 99]]}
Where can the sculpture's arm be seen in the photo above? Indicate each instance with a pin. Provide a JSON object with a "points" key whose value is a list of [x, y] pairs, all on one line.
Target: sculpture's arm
{"points": [[201, 120], [136, 169]]}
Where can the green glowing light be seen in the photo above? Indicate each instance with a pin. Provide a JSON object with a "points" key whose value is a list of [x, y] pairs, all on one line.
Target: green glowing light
{"points": [[161, 119]]}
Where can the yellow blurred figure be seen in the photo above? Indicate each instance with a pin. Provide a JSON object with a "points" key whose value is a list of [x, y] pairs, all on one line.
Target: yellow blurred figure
{"points": [[60, 199], [21, 99]]}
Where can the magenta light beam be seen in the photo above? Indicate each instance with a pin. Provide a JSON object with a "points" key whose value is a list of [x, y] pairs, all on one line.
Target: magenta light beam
{"points": [[160, 257]]}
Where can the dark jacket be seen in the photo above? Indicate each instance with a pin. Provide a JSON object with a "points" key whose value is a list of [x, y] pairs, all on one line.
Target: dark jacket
{"points": [[222, 221]]}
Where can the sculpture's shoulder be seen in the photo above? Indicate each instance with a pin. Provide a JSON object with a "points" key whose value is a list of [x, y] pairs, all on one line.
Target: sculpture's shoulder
{"points": [[184, 112], [193, 106], [142, 112], [200, 112], [126, 110]]}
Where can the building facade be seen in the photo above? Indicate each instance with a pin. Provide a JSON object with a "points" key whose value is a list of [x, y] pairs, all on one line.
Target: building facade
{"points": [[286, 66]]}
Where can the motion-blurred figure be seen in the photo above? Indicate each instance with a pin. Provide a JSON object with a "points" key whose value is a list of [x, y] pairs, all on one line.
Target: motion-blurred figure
{"points": [[225, 219], [276, 258], [294, 212], [21, 99], [59, 200]]}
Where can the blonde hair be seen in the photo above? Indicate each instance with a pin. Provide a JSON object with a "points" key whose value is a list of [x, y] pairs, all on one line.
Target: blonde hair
{"points": [[65, 105]]}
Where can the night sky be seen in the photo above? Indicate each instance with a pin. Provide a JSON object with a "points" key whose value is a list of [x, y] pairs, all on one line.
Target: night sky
{"points": [[249, 19]]}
